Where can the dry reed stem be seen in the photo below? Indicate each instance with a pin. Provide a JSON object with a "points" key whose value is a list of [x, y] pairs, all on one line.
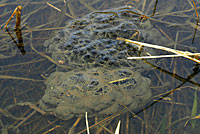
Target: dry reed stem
{"points": [[16, 12], [104, 128], [24, 63], [195, 8], [87, 6], [69, 5], [8, 114], [17, 78], [164, 33], [58, 9], [72, 129], [127, 123], [53, 7], [87, 124], [176, 12], [143, 5], [118, 127], [178, 52], [45, 127], [29, 116], [32, 106], [50, 130], [159, 56], [104, 120]]}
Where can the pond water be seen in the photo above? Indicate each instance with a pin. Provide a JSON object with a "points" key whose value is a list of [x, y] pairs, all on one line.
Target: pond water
{"points": [[32, 74]]}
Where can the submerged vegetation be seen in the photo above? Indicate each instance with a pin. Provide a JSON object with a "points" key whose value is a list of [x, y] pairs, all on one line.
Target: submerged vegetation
{"points": [[175, 81]]}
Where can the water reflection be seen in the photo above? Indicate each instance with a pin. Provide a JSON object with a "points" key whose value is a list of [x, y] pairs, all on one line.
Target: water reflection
{"points": [[20, 43]]}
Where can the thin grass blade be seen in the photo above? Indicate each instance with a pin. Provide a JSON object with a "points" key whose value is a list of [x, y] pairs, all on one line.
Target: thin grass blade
{"points": [[118, 127]]}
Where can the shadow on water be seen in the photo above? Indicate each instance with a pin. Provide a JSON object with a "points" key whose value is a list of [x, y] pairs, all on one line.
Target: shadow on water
{"points": [[26, 65]]}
